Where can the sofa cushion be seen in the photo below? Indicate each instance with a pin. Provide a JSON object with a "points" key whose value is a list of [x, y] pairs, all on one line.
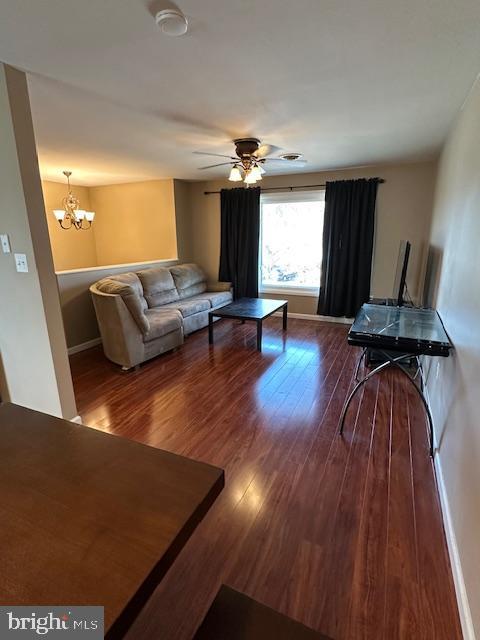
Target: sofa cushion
{"points": [[189, 279], [190, 306], [129, 287], [217, 298], [158, 286], [161, 322]]}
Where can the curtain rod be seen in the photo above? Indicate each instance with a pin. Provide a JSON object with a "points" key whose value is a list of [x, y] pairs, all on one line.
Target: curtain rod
{"points": [[304, 186]]}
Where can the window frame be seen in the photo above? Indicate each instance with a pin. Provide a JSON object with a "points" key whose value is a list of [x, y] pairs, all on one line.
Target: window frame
{"points": [[314, 195]]}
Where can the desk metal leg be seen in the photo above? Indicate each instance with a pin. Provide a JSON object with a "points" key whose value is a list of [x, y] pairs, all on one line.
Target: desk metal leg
{"points": [[424, 401], [285, 311], [389, 362], [359, 384], [362, 356]]}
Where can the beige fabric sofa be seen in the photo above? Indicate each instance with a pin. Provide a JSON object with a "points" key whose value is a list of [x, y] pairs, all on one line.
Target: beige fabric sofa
{"points": [[145, 313]]}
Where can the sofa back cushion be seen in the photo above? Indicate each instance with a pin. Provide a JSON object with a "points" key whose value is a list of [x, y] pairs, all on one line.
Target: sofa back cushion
{"points": [[190, 280], [129, 287], [158, 286]]}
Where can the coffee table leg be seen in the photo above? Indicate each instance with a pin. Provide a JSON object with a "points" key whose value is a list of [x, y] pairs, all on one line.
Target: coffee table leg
{"points": [[259, 335], [210, 328], [285, 307]]}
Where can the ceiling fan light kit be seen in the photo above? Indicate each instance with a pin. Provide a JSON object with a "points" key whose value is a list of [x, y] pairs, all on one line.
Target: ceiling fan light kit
{"points": [[251, 156]]}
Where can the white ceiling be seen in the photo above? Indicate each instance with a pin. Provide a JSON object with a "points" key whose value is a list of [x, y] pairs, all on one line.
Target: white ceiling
{"points": [[345, 82]]}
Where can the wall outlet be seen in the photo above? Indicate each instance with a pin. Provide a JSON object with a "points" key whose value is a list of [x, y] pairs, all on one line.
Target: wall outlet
{"points": [[21, 264], [5, 242]]}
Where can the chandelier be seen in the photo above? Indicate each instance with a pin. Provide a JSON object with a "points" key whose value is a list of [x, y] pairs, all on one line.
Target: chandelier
{"points": [[71, 216]]}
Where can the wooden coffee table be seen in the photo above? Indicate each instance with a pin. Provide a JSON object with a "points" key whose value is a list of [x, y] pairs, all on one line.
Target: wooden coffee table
{"points": [[255, 309]]}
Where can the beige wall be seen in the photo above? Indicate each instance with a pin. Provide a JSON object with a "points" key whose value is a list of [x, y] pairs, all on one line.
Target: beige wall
{"points": [[34, 368], [404, 207], [134, 222], [404, 210], [71, 249], [77, 307], [453, 383], [183, 218]]}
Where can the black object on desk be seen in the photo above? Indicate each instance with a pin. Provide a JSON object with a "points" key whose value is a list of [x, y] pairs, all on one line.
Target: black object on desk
{"points": [[399, 334]]}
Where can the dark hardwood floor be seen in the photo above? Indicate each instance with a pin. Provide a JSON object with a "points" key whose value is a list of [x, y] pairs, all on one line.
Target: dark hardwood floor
{"points": [[342, 534]]}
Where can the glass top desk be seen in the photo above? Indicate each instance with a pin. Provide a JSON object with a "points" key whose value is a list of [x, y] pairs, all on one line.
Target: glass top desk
{"points": [[399, 334]]}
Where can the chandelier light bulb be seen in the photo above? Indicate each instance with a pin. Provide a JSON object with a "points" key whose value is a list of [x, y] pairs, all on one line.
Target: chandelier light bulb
{"points": [[235, 175], [256, 172], [250, 178]]}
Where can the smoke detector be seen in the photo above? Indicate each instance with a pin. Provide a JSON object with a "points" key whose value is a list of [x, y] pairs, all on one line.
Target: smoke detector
{"points": [[172, 22]]}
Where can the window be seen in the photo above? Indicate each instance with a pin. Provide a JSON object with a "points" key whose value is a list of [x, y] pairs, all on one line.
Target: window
{"points": [[291, 228]]}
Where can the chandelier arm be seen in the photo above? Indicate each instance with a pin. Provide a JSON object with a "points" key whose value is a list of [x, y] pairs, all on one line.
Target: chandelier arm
{"points": [[63, 226]]}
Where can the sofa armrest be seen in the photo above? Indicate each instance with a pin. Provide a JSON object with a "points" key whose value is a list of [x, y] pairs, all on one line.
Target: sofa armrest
{"points": [[219, 286], [121, 337]]}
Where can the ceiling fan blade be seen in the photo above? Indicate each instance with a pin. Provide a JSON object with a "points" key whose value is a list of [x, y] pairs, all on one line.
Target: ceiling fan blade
{"points": [[211, 166], [217, 155], [266, 150], [284, 162]]}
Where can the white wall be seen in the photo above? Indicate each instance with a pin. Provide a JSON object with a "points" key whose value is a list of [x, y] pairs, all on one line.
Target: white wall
{"points": [[34, 368], [454, 383]]}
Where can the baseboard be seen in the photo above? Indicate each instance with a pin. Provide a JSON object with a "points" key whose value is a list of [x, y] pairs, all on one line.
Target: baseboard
{"points": [[76, 419], [459, 582], [454, 555], [315, 317], [84, 345]]}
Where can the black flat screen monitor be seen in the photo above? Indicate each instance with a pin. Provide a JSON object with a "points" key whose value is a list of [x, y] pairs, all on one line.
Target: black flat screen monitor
{"points": [[401, 272]]}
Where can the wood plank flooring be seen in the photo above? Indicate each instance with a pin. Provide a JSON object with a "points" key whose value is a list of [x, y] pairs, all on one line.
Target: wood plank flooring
{"points": [[342, 534]]}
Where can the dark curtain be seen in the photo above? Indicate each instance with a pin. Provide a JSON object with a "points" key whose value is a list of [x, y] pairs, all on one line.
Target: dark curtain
{"points": [[240, 231], [348, 231]]}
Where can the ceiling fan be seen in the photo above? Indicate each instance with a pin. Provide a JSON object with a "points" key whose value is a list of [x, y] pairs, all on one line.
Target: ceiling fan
{"points": [[251, 156]]}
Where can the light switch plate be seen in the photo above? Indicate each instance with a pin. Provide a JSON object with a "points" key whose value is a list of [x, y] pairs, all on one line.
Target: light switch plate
{"points": [[21, 262], [5, 242]]}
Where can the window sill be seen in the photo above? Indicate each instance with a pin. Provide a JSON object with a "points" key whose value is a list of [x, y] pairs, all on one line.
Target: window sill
{"points": [[307, 292]]}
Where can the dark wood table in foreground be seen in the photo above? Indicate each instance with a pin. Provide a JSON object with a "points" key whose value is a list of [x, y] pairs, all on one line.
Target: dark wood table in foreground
{"points": [[90, 518], [256, 309]]}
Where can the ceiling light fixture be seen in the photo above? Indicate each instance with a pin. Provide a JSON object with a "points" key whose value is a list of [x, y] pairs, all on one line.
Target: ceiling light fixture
{"points": [[172, 22], [71, 215], [235, 175], [256, 172], [250, 177], [250, 159]]}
